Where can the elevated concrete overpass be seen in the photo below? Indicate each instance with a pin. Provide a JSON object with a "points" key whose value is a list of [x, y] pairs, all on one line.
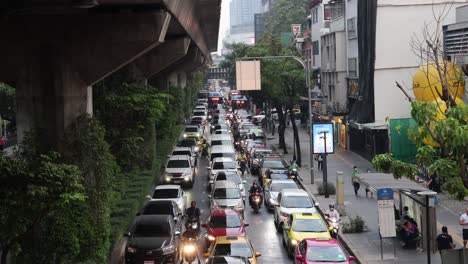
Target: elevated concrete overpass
{"points": [[53, 51]]}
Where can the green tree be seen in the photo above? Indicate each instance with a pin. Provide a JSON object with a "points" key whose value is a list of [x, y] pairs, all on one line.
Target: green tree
{"points": [[285, 13], [32, 187]]}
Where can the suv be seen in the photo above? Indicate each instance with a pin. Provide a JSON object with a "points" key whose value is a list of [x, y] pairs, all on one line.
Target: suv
{"points": [[189, 142], [152, 238], [185, 151], [221, 164], [193, 132], [221, 140], [274, 163], [180, 170], [222, 151], [226, 194], [291, 201], [171, 208]]}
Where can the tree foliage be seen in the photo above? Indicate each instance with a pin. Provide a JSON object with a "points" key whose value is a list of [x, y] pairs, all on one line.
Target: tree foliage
{"points": [[285, 13], [33, 187]]}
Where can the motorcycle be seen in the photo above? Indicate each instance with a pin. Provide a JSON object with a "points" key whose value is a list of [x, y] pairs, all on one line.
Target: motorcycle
{"points": [[190, 249], [256, 201], [204, 151], [292, 174], [193, 225], [243, 166], [334, 226]]}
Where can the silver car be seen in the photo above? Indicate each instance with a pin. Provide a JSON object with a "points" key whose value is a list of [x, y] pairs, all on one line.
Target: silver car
{"points": [[274, 187], [170, 193], [226, 194], [230, 176], [291, 201]]}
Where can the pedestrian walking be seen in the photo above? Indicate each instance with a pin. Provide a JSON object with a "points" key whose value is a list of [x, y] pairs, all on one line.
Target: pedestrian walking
{"points": [[320, 161], [464, 223], [444, 241], [356, 184], [2, 143]]}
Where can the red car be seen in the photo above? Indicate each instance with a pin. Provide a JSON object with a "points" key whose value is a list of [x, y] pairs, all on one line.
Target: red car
{"points": [[224, 222], [321, 251]]}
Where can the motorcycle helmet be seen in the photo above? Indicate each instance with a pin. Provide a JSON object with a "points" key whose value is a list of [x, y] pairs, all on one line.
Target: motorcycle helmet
{"points": [[332, 207]]}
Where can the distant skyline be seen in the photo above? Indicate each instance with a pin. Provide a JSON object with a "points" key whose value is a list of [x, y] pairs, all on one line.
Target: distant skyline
{"points": [[223, 23]]}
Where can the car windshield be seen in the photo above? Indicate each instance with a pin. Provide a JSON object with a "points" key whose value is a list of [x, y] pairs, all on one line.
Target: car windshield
{"points": [[165, 193], [221, 131], [296, 202], [235, 249], [199, 113], [191, 129], [181, 152], [279, 186], [221, 155], [226, 193], [156, 209], [279, 176], [151, 231], [325, 254], [178, 164], [309, 225], [224, 165], [187, 143], [273, 164], [229, 177], [228, 221], [248, 126], [220, 142]]}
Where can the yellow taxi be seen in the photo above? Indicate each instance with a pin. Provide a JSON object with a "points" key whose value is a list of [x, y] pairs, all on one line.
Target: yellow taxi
{"points": [[233, 246], [303, 225]]}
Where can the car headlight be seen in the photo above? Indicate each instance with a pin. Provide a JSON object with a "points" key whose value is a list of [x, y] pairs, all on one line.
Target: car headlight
{"points": [[210, 238], [168, 250], [168, 179], [293, 242], [131, 250], [195, 149], [185, 135], [198, 134]]}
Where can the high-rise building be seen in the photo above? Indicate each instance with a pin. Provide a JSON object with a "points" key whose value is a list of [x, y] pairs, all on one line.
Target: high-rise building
{"points": [[242, 20]]}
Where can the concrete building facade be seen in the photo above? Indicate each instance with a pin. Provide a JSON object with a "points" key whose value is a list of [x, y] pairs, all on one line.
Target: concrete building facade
{"points": [[242, 26]]}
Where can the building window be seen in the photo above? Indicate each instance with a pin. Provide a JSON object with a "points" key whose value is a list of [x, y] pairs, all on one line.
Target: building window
{"points": [[314, 15], [352, 33], [337, 9], [315, 47], [352, 67]]}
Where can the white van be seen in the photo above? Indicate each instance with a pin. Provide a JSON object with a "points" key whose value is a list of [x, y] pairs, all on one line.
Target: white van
{"points": [[222, 151]]}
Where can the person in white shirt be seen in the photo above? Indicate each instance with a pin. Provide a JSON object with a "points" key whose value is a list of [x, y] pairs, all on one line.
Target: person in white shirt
{"points": [[464, 223]]}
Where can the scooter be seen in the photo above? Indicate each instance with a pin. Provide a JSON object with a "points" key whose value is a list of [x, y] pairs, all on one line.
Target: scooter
{"points": [[334, 226], [256, 201], [292, 174], [193, 224]]}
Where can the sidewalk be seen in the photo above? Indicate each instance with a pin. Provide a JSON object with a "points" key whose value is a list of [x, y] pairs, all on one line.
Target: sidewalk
{"points": [[365, 246]]}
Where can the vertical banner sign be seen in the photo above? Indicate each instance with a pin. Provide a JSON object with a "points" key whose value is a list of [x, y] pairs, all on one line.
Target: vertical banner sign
{"points": [[323, 137], [296, 29], [248, 75], [386, 212]]}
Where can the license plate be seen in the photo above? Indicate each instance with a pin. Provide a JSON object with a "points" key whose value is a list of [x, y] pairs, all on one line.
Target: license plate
{"points": [[176, 181], [148, 262]]}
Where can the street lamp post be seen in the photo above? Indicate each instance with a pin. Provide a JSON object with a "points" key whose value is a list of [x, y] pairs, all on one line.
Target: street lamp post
{"points": [[428, 195], [306, 67], [325, 175]]}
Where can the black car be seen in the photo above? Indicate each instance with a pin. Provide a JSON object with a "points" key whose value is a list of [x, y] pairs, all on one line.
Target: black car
{"points": [[275, 165], [164, 208], [189, 142], [152, 238], [227, 260]]}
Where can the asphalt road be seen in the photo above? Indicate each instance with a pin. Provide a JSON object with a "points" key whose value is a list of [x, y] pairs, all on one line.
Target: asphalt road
{"points": [[261, 230]]}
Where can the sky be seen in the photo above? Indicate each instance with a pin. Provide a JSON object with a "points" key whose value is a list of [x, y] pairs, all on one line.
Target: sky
{"points": [[223, 23]]}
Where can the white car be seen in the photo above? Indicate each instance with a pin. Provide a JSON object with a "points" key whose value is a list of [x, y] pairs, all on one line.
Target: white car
{"points": [[170, 193], [185, 151], [274, 187], [222, 131], [230, 176], [221, 164], [179, 170], [226, 194], [291, 201]]}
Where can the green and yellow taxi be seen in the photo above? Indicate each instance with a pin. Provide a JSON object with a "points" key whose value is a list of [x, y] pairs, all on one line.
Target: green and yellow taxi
{"points": [[233, 246], [303, 225]]}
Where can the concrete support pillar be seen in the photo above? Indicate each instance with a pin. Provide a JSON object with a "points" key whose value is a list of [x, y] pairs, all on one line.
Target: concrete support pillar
{"points": [[50, 94], [182, 79]]}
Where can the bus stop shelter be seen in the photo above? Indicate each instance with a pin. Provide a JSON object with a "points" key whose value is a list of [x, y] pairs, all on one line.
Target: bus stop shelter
{"points": [[405, 194]]}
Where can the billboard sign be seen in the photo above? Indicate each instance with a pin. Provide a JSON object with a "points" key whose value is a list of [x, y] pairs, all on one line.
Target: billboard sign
{"points": [[323, 136], [248, 75], [296, 29]]}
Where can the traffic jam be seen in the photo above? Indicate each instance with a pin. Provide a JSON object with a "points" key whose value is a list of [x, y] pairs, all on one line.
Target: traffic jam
{"points": [[221, 172]]}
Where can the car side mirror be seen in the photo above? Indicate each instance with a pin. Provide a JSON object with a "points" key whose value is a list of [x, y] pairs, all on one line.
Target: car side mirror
{"points": [[244, 181], [245, 224], [351, 258], [148, 197], [209, 195], [208, 168], [175, 218], [211, 182], [168, 156], [204, 225], [177, 233], [299, 258], [317, 204], [258, 254], [127, 234], [274, 203]]}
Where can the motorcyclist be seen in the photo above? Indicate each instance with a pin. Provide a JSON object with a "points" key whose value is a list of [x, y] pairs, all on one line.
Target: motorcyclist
{"points": [[293, 166], [193, 212], [255, 188], [332, 212], [242, 159], [203, 146]]}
